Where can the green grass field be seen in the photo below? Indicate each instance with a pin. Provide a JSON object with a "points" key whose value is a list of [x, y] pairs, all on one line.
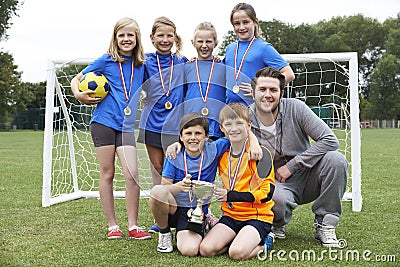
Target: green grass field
{"points": [[73, 233]]}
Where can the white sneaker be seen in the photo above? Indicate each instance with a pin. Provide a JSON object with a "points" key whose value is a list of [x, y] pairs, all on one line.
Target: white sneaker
{"points": [[325, 232], [279, 232], [165, 242]]}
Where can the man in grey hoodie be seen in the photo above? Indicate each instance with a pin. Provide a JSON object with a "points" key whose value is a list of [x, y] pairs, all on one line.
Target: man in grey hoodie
{"points": [[303, 172]]}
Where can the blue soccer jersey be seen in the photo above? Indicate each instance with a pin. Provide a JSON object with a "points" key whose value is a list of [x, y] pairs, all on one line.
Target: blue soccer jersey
{"points": [[196, 101], [174, 168], [156, 115], [261, 54], [110, 111]]}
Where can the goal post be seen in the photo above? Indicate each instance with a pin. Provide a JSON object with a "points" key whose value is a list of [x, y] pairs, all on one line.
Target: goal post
{"points": [[70, 168], [346, 65], [327, 82]]}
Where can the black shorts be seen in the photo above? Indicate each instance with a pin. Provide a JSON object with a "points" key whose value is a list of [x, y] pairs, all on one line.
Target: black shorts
{"points": [[156, 139], [179, 220], [263, 228], [105, 136]]}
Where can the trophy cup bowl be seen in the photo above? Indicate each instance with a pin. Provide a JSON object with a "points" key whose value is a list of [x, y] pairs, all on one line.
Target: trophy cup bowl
{"points": [[202, 191]]}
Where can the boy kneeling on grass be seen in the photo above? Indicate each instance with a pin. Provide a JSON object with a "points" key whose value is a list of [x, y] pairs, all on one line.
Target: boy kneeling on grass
{"points": [[246, 196], [171, 202]]}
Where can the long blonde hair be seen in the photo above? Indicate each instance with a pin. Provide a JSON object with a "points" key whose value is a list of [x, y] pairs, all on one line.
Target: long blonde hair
{"points": [[138, 51], [164, 21]]}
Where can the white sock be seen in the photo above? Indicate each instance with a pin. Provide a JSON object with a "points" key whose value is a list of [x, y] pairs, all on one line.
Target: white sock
{"points": [[133, 227], [114, 227]]}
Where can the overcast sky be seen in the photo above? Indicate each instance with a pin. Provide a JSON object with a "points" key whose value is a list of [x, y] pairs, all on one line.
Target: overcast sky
{"points": [[56, 29]]}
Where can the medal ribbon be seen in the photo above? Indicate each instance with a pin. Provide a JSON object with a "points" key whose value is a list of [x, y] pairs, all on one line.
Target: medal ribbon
{"points": [[171, 69], [209, 80], [232, 180], [185, 169], [241, 62], [121, 75]]}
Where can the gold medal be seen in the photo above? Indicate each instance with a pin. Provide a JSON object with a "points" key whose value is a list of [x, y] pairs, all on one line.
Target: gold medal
{"points": [[237, 70], [127, 111], [204, 111], [189, 213], [168, 105]]}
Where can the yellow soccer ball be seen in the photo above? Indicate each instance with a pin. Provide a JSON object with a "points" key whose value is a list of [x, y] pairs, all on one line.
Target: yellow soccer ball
{"points": [[96, 82]]}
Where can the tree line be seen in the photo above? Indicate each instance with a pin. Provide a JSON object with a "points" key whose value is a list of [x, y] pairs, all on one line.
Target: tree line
{"points": [[377, 46]]}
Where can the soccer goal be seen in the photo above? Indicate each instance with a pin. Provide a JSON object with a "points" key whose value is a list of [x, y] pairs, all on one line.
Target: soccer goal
{"points": [[327, 82], [70, 169]]}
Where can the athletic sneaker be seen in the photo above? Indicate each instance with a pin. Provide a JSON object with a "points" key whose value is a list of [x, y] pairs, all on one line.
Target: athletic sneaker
{"points": [[325, 231], [114, 232], [138, 233], [165, 242], [154, 229], [279, 232]]}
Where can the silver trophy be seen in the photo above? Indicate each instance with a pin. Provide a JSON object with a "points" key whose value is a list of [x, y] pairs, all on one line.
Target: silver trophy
{"points": [[203, 191]]}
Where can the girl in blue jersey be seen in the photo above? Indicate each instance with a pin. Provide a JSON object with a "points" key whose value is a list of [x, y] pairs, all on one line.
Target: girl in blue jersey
{"points": [[249, 54], [164, 88], [205, 79], [123, 66]]}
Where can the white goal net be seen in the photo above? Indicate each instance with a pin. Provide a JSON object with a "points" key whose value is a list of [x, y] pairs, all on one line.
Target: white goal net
{"points": [[327, 82]]}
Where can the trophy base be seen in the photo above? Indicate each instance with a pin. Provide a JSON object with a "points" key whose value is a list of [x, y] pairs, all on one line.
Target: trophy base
{"points": [[195, 227]]}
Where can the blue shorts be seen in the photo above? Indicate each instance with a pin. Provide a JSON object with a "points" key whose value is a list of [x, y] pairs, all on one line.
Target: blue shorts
{"points": [[263, 228], [105, 136]]}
